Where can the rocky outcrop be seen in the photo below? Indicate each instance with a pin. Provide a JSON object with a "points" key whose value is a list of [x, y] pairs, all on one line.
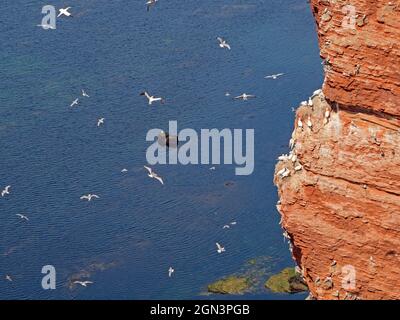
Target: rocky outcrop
{"points": [[339, 188]]}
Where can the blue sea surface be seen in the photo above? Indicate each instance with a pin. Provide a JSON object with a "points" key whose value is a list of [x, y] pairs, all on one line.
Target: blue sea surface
{"points": [[52, 154]]}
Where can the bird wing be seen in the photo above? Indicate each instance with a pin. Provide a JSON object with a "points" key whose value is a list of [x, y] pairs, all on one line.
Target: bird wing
{"points": [[148, 169], [228, 46], [159, 179], [220, 39], [239, 97]]}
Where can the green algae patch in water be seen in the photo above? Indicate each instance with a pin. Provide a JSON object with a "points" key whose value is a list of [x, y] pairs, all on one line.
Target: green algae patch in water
{"points": [[287, 281], [230, 285]]}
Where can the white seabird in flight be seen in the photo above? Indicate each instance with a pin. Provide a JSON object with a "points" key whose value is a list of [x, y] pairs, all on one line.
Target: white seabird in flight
{"points": [[153, 175], [84, 94], [151, 98], [274, 76], [6, 191], [65, 12], [83, 283], [75, 102], [223, 43], [170, 271], [22, 216], [100, 122], [245, 97], [150, 3], [220, 248], [89, 197]]}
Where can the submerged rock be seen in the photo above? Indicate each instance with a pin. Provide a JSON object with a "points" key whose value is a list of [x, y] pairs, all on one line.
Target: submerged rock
{"points": [[230, 285], [287, 281]]}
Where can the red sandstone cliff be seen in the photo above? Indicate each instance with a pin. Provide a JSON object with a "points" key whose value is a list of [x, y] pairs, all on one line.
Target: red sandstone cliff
{"points": [[340, 191]]}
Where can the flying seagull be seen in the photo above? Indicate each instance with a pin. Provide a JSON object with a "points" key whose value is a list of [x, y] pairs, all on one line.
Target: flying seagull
{"points": [[100, 122], [22, 216], [154, 175], [226, 226], [150, 3], [223, 43], [65, 12], [124, 170], [245, 97], [220, 248], [75, 102], [84, 94], [89, 197], [5, 191], [8, 278], [274, 76], [83, 283], [151, 98], [170, 271]]}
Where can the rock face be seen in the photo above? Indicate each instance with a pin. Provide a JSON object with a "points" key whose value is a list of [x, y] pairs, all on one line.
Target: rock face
{"points": [[340, 191]]}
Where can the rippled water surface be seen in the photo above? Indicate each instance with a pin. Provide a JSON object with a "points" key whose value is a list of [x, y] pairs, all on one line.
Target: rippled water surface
{"points": [[51, 154]]}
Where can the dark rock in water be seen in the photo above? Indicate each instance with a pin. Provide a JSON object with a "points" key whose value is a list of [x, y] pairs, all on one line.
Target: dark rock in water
{"points": [[230, 285], [287, 281], [229, 184]]}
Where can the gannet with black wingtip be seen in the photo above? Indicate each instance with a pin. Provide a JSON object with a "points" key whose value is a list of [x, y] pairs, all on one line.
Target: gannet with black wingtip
{"points": [[153, 175], [283, 173], [170, 271], [22, 216], [100, 122], [6, 191], [291, 143], [245, 97], [309, 123], [89, 197], [223, 43], [64, 12], [299, 123], [75, 102], [83, 283], [298, 167], [220, 248], [283, 157], [316, 93], [152, 98], [84, 94], [274, 76]]}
